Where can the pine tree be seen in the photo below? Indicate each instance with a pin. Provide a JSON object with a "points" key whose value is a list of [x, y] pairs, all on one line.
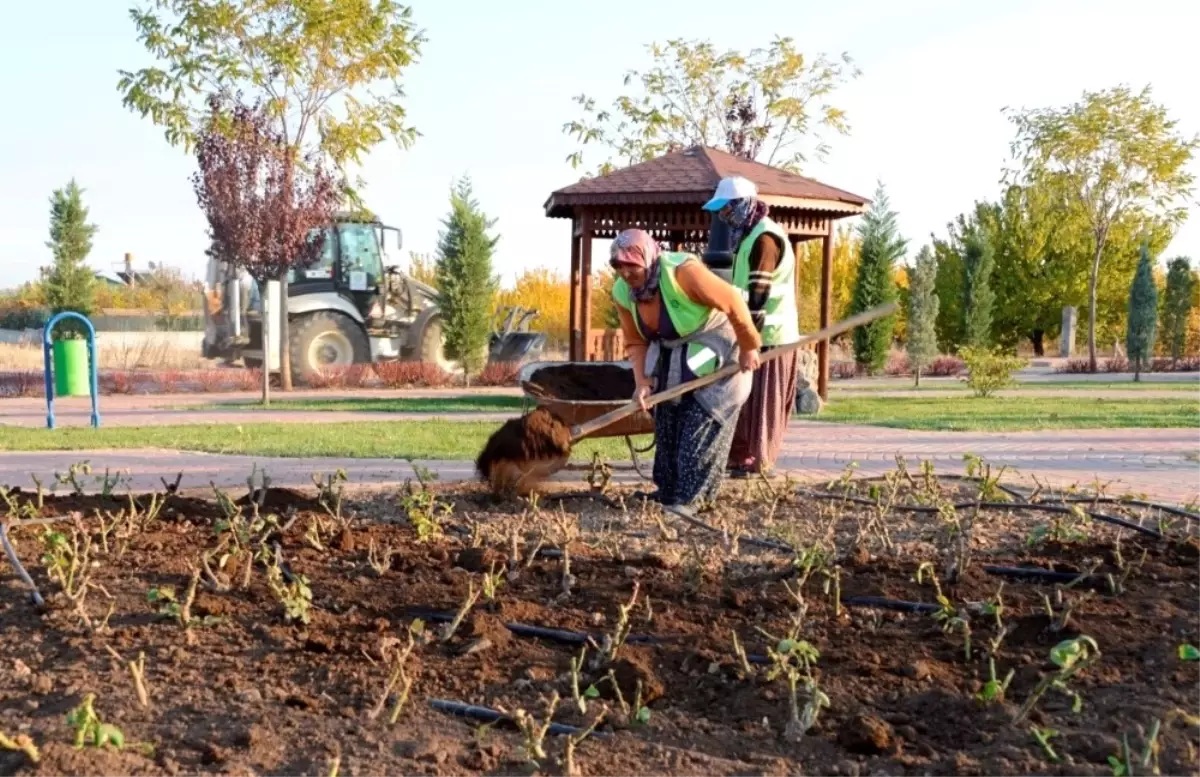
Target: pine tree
{"points": [[465, 283], [922, 313], [1177, 305], [1143, 315], [978, 297], [68, 283], [874, 283]]}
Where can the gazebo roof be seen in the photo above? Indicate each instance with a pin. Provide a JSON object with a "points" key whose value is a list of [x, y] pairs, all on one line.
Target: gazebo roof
{"points": [[689, 176]]}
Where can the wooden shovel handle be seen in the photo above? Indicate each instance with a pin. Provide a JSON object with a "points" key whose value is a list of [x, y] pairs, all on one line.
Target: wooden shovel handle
{"points": [[598, 423]]}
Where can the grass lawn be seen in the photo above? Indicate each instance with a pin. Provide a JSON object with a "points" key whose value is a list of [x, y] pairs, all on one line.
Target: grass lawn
{"points": [[453, 404], [444, 440], [1010, 414]]}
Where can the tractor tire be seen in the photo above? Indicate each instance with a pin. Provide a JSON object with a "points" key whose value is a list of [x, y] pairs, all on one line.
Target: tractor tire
{"points": [[432, 347], [325, 339]]}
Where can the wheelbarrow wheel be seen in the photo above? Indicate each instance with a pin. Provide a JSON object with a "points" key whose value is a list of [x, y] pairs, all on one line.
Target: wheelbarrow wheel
{"points": [[633, 454]]}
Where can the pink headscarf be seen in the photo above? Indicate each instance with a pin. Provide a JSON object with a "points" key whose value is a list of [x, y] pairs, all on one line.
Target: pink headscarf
{"points": [[638, 248]]}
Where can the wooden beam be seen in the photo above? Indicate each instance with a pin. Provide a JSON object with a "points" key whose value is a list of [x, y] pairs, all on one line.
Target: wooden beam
{"points": [[585, 307], [826, 311], [573, 316]]}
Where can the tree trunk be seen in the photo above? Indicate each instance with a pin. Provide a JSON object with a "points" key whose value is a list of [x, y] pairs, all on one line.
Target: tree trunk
{"points": [[1095, 279], [917, 376], [1137, 370], [1038, 338], [285, 355], [266, 346]]}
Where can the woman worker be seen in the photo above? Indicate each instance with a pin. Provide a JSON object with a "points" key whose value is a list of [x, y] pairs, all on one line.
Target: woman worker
{"points": [[680, 321], [764, 272]]}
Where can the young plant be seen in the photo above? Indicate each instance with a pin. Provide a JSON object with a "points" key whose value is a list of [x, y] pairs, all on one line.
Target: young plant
{"points": [[331, 492], [424, 511], [1070, 657], [1116, 585], [591, 692], [468, 603], [137, 670], [399, 674], [1062, 529], [295, 596], [746, 668], [572, 741], [1188, 652], [611, 643], [950, 619], [90, 731], [568, 531], [1122, 765], [792, 658], [380, 560], [1043, 737], [22, 744], [599, 474], [534, 732], [492, 580]]}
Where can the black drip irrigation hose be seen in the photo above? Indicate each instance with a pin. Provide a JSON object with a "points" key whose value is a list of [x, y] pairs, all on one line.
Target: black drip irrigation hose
{"points": [[489, 715], [1040, 575]]}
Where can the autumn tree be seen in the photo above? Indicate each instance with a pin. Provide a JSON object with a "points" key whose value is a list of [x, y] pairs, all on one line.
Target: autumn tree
{"points": [[1112, 153], [922, 313], [771, 105], [68, 284], [465, 281], [874, 284], [1177, 306], [327, 72], [266, 208], [1143, 315]]}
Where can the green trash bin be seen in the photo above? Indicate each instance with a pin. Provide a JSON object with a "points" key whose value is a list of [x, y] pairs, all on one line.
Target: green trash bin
{"points": [[71, 376]]}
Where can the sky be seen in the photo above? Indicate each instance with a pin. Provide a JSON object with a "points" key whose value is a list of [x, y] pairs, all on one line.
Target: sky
{"points": [[495, 82]]}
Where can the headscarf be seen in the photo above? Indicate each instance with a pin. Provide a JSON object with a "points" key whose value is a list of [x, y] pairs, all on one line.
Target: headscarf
{"points": [[638, 248], [744, 215]]}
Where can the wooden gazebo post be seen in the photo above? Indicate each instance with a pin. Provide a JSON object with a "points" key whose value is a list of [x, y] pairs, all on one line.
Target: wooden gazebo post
{"points": [[826, 309]]}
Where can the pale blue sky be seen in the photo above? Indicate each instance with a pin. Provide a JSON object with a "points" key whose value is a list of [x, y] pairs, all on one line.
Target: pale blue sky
{"points": [[495, 85]]}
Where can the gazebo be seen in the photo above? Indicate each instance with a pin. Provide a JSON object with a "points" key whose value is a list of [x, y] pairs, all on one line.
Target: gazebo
{"points": [[664, 197]]}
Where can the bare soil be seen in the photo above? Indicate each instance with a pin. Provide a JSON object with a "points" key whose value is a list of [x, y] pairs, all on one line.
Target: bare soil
{"points": [[240, 690]]}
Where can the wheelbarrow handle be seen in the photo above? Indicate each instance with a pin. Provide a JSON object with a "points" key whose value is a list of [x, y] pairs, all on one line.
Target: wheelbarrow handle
{"points": [[596, 424]]}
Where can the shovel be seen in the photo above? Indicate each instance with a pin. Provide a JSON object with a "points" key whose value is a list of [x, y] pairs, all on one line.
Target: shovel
{"points": [[579, 431]]}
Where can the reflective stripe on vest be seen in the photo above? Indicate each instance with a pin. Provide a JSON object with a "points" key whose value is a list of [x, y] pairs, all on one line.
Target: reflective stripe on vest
{"points": [[782, 317]]}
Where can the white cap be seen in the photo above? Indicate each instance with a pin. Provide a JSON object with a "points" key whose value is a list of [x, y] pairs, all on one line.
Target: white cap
{"points": [[735, 188]]}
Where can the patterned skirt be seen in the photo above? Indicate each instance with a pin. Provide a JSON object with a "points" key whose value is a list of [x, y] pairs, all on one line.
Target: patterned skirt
{"points": [[691, 449]]}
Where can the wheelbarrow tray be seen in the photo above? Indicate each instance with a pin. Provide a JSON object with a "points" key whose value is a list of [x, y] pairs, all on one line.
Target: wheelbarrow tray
{"points": [[577, 411]]}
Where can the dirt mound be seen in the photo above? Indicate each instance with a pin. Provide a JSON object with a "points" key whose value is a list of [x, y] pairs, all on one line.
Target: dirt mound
{"points": [[585, 382]]}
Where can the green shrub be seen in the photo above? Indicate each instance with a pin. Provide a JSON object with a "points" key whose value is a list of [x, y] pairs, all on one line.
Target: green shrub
{"points": [[989, 370]]}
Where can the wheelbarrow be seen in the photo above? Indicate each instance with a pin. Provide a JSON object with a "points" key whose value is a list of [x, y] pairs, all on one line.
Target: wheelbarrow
{"points": [[575, 401]]}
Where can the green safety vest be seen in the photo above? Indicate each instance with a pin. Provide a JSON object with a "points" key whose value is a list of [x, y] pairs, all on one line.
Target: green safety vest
{"points": [[782, 324], [687, 315]]}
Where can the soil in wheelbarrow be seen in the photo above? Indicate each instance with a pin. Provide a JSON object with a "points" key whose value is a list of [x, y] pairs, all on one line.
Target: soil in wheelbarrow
{"points": [[585, 382]]}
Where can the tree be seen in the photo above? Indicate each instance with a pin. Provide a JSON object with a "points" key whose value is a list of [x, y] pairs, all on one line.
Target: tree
{"points": [[1143, 314], [465, 282], [978, 260], [874, 284], [267, 209], [68, 284], [317, 66], [1177, 306], [922, 313], [846, 248], [1112, 153], [759, 105]]}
